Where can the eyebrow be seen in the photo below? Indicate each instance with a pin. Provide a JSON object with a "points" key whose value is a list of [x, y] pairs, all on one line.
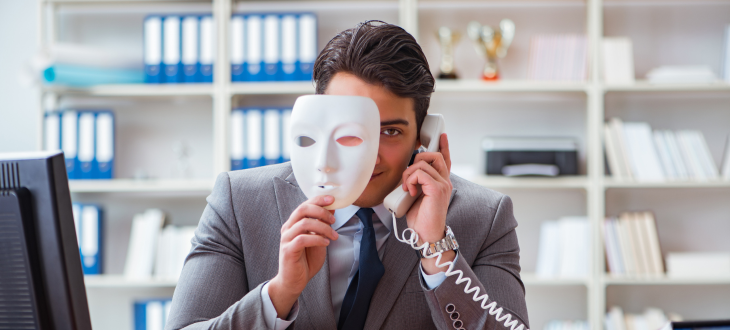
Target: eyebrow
{"points": [[394, 122]]}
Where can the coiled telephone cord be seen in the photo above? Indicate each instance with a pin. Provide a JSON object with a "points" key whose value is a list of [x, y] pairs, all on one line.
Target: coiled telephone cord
{"points": [[492, 309]]}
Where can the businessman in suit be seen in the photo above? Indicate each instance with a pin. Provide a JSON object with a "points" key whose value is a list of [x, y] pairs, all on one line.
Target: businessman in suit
{"points": [[265, 257]]}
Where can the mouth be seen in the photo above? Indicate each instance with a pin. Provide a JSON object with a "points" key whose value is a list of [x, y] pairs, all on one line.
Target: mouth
{"points": [[375, 175]]}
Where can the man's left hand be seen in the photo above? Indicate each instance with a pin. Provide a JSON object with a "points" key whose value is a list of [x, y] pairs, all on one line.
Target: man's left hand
{"points": [[427, 216]]}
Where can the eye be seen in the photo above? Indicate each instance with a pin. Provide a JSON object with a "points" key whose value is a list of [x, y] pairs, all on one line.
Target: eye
{"points": [[391, 132], [304, 141], [349, 141]]}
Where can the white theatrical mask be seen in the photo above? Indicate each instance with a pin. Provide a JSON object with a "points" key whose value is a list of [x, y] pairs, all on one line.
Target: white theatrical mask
{"points": [[335, 145]]}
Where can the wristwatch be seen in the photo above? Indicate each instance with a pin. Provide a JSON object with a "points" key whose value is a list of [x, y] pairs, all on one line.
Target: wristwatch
{"points": [[448, 243]]}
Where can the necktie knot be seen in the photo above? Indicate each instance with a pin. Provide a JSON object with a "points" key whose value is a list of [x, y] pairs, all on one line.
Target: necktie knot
{"points": [[366, 217]]}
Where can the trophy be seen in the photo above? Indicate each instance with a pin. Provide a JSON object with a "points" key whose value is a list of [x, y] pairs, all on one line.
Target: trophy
{"points": [[447, 40], [491, 44]]}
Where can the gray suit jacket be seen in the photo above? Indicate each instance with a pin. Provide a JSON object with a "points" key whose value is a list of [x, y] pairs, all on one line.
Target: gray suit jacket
{"points": [[236, 249]]}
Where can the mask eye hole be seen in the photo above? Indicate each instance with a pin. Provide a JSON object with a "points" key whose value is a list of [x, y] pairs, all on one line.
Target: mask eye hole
{"points": [[349, 141], [304, 141]]}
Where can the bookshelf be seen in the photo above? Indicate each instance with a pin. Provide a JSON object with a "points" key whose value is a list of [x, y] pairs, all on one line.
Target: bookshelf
{"points": [[477, 108]]}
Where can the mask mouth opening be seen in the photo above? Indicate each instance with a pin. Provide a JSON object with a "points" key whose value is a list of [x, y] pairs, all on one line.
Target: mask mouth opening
{"points": [[326, 186]]}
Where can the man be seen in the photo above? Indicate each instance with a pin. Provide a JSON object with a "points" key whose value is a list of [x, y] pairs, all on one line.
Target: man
{"points": [[264, 257]]}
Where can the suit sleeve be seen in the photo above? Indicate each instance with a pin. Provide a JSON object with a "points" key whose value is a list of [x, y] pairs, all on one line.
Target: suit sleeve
{"points": [[495, 271], [213, 292]]}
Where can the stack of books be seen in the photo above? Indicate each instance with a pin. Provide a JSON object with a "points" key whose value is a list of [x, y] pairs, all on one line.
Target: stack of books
{"points": [[151, 314], [80, 65], [87, 141], [154, 252], [564, 248], [635, 152], [632, 245], [651, 319], [567, 325], [259, 137], [273, 47], [89, 229], [562, 57], [179, 49]]}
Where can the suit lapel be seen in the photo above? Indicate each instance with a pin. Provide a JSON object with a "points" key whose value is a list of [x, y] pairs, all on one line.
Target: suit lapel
{"points": [[316, 299]]}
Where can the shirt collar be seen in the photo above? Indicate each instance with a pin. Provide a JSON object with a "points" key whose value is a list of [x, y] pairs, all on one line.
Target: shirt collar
{"points": [[344, 215]]}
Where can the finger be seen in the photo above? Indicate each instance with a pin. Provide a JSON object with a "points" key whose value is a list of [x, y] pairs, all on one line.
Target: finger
{"points": [[306, 210], [444, 149], [423, 165], [435, 159], [322, 200], [309, 226], [419, 177], [302, 242]]}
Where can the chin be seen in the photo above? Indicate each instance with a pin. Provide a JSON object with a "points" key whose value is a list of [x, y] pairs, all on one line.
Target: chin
{"points": [[375, 192]]}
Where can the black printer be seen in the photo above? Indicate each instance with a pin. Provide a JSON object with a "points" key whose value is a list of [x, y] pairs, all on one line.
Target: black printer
{"points": [[542, 156]]}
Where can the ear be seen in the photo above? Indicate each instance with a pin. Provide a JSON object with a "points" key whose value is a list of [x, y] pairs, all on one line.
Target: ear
{"points": [[418, 143]]}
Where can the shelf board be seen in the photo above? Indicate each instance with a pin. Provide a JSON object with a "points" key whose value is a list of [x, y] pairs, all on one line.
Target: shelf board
{"points": [[664, 280], [532, 279], [563, 182], [280, 88], [120, 282], [474, 85], [612, 183], [135, 90], [129, 185], [645, 86]]}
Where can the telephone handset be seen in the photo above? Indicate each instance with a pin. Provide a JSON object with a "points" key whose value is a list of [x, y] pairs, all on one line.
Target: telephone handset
{"points": [[398, 201]]}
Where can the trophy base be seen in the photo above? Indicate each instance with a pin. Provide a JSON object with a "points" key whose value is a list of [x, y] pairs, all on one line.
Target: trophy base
{"points": [[490, 77], [451, 75]]}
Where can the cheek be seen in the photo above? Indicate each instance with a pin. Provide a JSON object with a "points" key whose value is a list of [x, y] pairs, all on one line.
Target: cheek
{"points": [[394, 155]]}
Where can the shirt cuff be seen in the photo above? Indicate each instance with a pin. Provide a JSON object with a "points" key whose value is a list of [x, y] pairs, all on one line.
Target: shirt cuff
{"points": [[270, 316], [433, 281]]}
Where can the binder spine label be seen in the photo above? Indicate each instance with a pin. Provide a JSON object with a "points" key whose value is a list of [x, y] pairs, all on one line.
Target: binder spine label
{"points": [[190, 48], [207, 48], [69, 141], [272, 36], [237, 48], [288, 47], [152, 49], [272, 136], [254, 136], [307, 45], [253, 48], [105, 145], [171, 50], [86, 144], [286, 140], [52, 131], [237, 140]]}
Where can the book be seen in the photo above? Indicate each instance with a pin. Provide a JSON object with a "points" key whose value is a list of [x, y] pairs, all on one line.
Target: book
{"points": [[561, 57], [632, 245], [698, 264], [617, 129], [618, 60], [645, 164], [564, 246], [142, 247], [651, 319], [151, 314], [173, 246]]}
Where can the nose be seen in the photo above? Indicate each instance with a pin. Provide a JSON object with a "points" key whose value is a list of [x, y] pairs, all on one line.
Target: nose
{"points": [[327, 158]]}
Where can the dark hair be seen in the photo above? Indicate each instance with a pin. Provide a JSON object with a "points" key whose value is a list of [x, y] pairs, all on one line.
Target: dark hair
{"points": [[381, 54]]}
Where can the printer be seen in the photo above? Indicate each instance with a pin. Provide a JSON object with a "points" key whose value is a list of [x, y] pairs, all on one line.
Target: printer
{"points": [[540, 156]]}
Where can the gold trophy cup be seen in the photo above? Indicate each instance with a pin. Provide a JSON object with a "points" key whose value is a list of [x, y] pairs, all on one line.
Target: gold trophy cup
{"points": [[447, 39], [492, 44]]}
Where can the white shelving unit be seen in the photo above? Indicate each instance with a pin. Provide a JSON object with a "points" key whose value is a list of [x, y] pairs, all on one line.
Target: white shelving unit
{"points": [[510, 106]]}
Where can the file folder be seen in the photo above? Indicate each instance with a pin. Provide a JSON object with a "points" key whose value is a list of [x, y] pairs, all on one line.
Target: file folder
{"points": [[171, 49], [207, 48], [254, 137], [69, 142], [237, 47], [272, 136], [86, 150], [190, 48], [254, 48], [104, 161], [153, 49], [288, 47], [90, 238], [286, 138], [307, 45], [237, 140], [151, 314], [52, 131], [272, 59]]}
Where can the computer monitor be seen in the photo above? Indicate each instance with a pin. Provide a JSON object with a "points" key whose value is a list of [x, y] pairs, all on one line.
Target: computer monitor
{"points": [[41, 279]]}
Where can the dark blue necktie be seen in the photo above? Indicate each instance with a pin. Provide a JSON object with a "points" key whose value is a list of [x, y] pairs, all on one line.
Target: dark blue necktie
{"points": [[357, 299]]}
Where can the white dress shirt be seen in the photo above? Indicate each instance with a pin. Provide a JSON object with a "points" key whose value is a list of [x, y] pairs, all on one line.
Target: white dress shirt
{"points": [[344, 261]]}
